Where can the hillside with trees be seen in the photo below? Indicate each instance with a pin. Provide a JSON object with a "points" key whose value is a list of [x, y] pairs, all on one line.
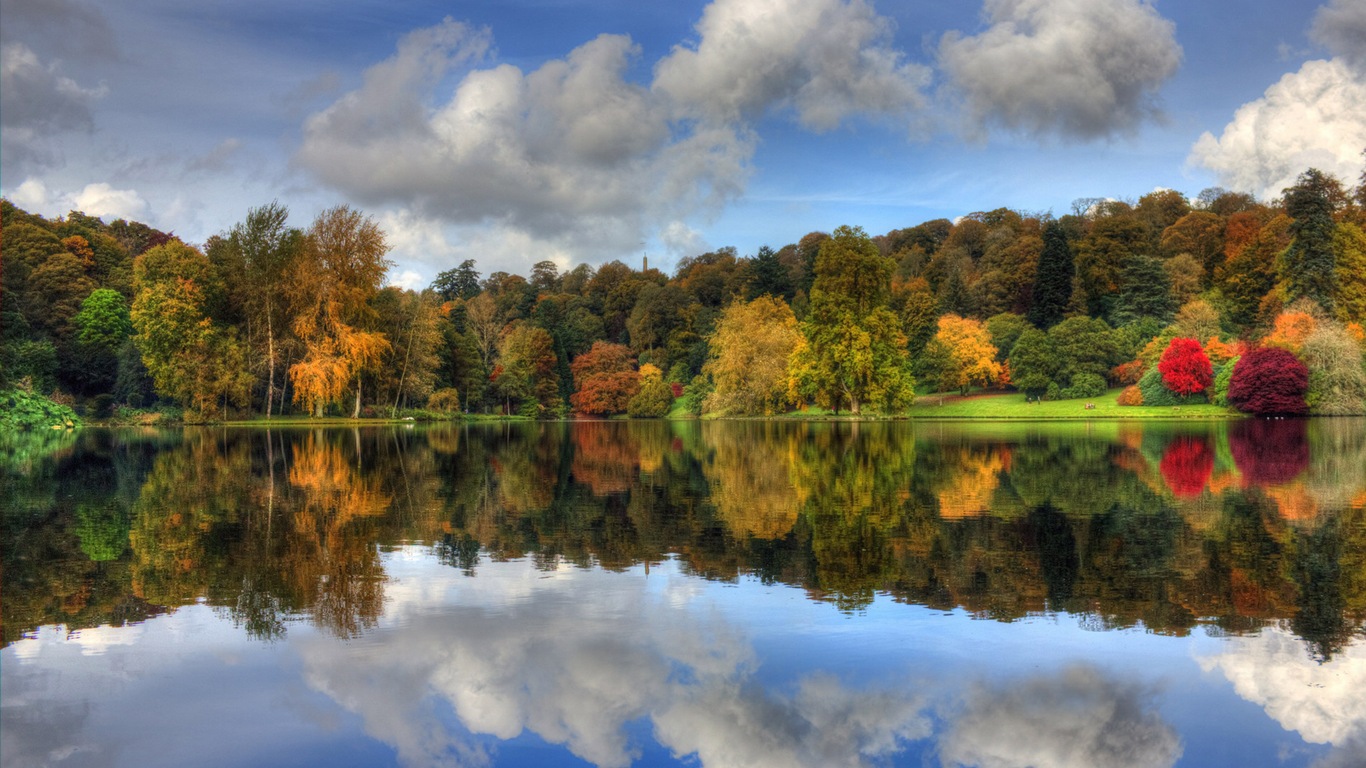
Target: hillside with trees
{"points": [[1225, 299]]}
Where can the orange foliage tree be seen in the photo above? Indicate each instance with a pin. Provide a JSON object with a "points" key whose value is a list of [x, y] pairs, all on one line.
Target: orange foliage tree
{"points": [[338, 271], [605, 379], [1290, 330], [966, 354]]}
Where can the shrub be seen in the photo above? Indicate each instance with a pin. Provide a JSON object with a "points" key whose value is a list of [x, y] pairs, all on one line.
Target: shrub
{"points": [[1185, 367], [1085, 385], [1155, 393], [1128, 373], [1054, 392], [652, 401], [1131, 395], [1269, 381], [446, 400], [1222, 375]]}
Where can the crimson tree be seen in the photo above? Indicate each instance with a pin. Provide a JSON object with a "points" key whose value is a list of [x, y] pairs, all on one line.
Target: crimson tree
{"points": [[1269, 381], [1185, 367]]}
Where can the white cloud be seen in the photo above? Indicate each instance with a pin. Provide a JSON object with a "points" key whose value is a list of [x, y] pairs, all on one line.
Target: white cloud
{"points": [[104, 201], [576, 158], [1341, 27], [578, 672], [99, 199], [1322, 702], [1079, 719], [826, 59], [1315, 117], [1077, 68]]}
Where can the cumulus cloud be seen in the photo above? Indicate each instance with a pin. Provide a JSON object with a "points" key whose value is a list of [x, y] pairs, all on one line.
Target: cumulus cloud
{"points": [[1315, 117], [1321, 702], [1341, 27], [1078, 719], [826, 59], [1077, 68], [99, 199], [576, 156], [578, 672]]}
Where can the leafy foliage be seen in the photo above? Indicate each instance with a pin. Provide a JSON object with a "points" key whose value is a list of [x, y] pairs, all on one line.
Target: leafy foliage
{"points": [[1269, 381], [1185, 368]]}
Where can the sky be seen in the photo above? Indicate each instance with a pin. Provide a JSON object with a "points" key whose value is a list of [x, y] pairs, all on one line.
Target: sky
{"points": [[515, 131]]}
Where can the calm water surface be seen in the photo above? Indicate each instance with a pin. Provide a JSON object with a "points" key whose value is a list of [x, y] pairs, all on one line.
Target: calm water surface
{"points": [[728, 594]]}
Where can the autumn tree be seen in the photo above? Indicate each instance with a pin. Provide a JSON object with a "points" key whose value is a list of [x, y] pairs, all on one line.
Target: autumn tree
{"points": [[853, 349], [1250, 273], [1337, 381], [190, 358], [1185, 367], [749, 353], [654, 398], [339, 269], [1269, 381], [528, 374], [256, 258], [1349, 249], [605, 379], [964, 353], [1200, 234]]}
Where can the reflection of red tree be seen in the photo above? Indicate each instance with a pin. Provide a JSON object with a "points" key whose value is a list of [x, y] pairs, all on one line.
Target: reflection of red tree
{"points": [[1187, 465], [1269, 452]]}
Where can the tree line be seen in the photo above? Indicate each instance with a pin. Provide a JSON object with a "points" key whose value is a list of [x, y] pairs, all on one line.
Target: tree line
{"points": [[1166, 296]]}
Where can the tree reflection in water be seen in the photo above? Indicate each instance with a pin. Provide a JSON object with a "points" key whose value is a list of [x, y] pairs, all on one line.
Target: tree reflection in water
{"points": [[1168, 527]]}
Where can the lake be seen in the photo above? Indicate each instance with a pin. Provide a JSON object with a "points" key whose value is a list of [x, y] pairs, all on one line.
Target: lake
{"points": [[714, 594]]}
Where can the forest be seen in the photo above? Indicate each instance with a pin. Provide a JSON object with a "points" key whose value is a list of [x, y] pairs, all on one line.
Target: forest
{"points": [[1258, 305]]}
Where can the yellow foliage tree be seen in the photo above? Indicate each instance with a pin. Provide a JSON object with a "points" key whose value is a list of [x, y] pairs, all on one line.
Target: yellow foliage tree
{"points": [[750, 348]]}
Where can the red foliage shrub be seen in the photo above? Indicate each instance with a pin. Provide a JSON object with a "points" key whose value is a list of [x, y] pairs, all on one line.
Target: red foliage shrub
{"points": [[1131, 395], [1185, 367], [676, 388], [1269, 381], [1269, 452], [1128, 373], [1187, 465]]}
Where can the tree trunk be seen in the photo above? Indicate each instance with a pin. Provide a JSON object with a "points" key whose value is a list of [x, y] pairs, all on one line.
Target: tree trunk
{"points": [[355, 413], [270, 362]]}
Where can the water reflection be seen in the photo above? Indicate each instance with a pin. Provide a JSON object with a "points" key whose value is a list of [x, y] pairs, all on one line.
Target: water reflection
{"points": [[1162, 526]]}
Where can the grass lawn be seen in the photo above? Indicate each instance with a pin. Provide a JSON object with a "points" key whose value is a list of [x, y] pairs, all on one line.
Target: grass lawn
{"points": [[1013, 406]]}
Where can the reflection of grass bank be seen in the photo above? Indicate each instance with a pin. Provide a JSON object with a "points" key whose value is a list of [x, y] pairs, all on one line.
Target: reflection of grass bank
{"points": [[1013, 406]]}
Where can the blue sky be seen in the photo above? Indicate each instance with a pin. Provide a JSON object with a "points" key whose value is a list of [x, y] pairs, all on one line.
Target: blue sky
{"points": [[511, 131]]}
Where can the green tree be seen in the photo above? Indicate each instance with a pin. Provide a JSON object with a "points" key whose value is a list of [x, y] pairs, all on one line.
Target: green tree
{"points": [[1144, 291], [102, 326], [1307, 266], [257, 256], [1053, 280], [190, 358], [1033, 362], [854, 351], [528, 373], [459, 283]]}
